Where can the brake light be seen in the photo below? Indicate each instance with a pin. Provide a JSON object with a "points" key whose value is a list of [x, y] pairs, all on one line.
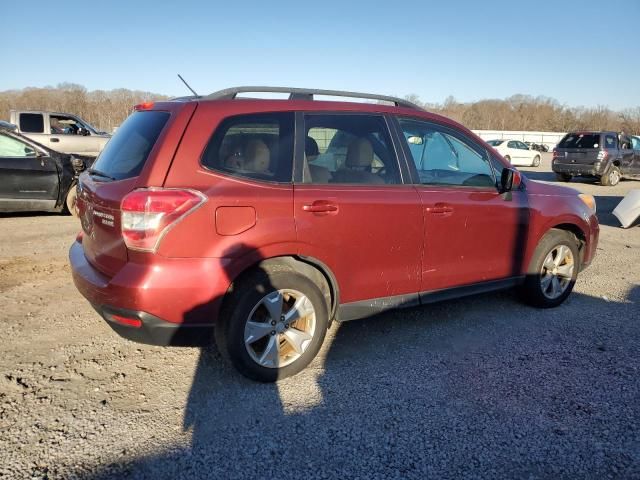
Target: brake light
{"points": [[143, 106], [603, 155], [556, 154], [148, 214]]}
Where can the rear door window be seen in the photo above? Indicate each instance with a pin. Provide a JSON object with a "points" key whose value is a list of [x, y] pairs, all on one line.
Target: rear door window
{"points": [[580, 140], [127, 151], [31, 123], [348, 148], [257, 146], [610, 141]]}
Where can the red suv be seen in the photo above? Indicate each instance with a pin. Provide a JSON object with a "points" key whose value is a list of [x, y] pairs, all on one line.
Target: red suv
{"points": [[269, 219]]}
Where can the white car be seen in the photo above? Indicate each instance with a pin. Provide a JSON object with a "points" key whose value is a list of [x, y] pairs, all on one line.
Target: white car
{"points": [[516, 152]]}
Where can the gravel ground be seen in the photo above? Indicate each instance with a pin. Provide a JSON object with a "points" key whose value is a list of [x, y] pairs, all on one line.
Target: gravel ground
{"points": [[479, 387]]}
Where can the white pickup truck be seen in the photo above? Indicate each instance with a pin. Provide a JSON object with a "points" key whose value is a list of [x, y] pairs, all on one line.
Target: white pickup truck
{"points": [[62, 132]]}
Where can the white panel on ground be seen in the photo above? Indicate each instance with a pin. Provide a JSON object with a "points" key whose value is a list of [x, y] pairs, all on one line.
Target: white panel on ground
{"points": [[628, 210]]}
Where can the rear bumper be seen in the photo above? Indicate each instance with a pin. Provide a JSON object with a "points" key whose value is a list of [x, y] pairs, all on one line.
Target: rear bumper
{"points": [[175, 300], [577, 169], [153, 330]]}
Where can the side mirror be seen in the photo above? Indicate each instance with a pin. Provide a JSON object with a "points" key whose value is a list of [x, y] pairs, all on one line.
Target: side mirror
{"points": [[510, 180]]}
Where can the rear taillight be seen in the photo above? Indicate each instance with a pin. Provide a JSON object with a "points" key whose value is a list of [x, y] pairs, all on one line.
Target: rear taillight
{"points": [[556, 154], [148, 214], [603, 155]]}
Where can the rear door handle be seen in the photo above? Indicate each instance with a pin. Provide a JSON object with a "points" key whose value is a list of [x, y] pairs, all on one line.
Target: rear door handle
{"points": [[54, 139], [320, 206], [440, 209]]}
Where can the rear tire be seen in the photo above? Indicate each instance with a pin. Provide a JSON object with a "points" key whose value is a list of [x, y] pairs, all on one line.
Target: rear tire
{"points": [[536, 161], [612, 177], [552, 271], [257, 331], [563, 177]]}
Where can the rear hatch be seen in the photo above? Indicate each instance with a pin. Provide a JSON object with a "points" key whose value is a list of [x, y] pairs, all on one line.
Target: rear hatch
{"points": [[116, 172], [578, 148]]}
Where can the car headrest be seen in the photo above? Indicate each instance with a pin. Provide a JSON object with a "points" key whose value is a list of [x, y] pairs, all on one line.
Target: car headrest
{"points": [[311, 147], [257, 156], [359, 153]]}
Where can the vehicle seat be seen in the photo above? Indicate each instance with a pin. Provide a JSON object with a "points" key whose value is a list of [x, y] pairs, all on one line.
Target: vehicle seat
{"points": [[358, 162], [313, 173]]}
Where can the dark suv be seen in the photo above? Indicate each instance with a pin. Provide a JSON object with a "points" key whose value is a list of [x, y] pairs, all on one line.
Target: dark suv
{"points": [[606, 156], [259, 222]]}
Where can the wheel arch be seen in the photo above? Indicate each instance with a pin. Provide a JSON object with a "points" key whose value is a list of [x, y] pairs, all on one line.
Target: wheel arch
{"points": [[576, 230], [311, 267]]}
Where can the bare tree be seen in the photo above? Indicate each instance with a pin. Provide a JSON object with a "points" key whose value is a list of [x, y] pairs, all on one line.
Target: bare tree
{"points": [[104, 109]]}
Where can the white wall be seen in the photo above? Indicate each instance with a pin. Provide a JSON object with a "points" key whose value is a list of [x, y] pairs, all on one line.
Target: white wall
{"points": [[550, 139]]}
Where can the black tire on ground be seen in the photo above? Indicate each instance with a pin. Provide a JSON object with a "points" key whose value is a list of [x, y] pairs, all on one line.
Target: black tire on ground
{"points": [[612, 177], [247, 294], [536, 161], [69, 207], [532, 291], [563, 177]]}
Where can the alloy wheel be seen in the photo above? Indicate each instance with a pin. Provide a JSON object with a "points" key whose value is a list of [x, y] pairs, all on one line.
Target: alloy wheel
{"points": [[557, 272], [280, 328], [614, 177]]}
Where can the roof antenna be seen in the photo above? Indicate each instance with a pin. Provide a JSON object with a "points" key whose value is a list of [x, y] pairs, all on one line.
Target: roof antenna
{"points": [[185, 82]]}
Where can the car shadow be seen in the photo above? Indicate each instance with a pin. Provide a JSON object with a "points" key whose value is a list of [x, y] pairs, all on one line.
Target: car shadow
{"points": [[406, 394], [30, 214]]}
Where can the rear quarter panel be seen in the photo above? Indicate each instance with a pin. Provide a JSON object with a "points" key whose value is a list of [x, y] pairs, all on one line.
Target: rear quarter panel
{"points": [[212, 231]]}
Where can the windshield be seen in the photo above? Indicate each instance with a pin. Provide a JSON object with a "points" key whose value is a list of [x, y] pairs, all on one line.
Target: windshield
{"points": [[580, 140], [89, 126], [127, 151]]}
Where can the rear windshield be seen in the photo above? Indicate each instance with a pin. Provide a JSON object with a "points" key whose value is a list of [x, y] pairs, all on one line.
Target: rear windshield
{"points": [[580, 140], [495, 143], [127, 151]]}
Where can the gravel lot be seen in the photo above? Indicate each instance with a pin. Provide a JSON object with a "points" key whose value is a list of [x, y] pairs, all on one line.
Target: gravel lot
{"points": [[479, 387]]}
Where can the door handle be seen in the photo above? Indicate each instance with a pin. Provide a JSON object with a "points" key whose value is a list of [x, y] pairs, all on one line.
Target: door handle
{"points": [[54, 140], [440, 209], [320, 206]]}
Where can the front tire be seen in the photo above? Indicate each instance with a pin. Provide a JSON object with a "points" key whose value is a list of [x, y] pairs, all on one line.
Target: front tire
{"points": [[612, 177], [273, 324], [70, 202], [552, 271]]}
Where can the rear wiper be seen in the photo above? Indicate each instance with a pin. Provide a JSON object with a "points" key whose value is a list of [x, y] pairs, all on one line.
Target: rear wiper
{"points": [[93, 171]]}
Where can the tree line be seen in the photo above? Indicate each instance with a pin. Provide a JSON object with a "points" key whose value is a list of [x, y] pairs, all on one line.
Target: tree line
{"points": [[106, 109], [525, 112]]}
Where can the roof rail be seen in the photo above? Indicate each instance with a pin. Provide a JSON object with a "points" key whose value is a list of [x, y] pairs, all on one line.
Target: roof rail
{"points": [[306, 94]]}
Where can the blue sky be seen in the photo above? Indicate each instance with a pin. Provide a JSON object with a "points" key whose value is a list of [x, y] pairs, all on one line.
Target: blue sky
{"points": [[576, 52]]}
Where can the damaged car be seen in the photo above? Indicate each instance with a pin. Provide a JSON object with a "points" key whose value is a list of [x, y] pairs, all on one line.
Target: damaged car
{"points": [[34, 177]]}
